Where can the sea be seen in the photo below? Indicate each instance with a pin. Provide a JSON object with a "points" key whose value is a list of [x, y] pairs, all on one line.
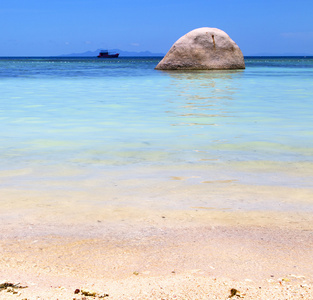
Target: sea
{"points": [[118, 133]]}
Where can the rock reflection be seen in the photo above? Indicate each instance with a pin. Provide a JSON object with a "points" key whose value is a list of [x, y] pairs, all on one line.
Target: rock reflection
{"points": [[200, 97]]}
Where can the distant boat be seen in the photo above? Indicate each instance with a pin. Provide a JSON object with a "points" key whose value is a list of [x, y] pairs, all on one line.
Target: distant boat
{"points": [[105, 54]]}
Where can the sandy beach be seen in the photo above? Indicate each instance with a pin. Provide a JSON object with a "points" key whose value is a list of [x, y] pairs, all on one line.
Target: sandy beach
{"points": [[196, 254]]}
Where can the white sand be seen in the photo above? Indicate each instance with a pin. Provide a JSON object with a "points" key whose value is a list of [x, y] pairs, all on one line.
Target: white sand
{"points": [[159, 259]]}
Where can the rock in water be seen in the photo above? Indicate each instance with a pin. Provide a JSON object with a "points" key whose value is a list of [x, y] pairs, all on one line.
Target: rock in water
{"points": [[203, 49]]}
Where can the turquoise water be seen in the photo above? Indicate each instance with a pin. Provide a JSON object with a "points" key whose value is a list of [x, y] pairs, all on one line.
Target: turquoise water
{"points": [[93, 116]]}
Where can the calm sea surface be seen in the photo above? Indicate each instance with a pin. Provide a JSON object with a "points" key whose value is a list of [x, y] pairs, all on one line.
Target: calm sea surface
{"points": [[86, 124]]}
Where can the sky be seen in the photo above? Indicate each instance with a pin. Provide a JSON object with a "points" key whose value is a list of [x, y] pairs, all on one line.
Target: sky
{"points": [[56, 27]]}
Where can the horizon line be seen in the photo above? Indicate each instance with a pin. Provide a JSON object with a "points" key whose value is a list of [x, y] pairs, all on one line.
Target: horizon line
{"points": [[73, 56]]}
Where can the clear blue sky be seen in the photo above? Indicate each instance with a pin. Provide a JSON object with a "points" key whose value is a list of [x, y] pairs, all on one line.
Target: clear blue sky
{"points": [[42, 27]]}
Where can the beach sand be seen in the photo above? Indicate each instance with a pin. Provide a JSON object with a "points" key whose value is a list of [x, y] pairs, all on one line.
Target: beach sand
{"points": [[125, 253]]}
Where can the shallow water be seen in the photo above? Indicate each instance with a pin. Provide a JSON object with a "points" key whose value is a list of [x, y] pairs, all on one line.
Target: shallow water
{"points": [[117, 132]]}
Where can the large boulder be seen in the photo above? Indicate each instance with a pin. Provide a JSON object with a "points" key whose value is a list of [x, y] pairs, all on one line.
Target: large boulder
{"points": [[203, 49]]}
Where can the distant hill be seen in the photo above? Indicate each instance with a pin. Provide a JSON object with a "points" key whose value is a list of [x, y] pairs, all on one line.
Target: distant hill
{"points": [[121, 52]]}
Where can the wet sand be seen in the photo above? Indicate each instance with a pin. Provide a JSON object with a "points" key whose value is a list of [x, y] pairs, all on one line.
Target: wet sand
{"points": [[154, 235]]}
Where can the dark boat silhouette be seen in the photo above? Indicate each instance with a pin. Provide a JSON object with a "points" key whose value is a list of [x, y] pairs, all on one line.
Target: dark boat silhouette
{"points": [[105, 54]]}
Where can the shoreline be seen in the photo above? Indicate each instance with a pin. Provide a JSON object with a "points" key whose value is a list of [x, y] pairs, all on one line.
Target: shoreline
{"points": [[172, 235]]}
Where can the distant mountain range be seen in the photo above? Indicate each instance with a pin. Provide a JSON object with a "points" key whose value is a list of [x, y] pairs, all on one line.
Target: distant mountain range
{"points": [[148, 53], [121, 52]]}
